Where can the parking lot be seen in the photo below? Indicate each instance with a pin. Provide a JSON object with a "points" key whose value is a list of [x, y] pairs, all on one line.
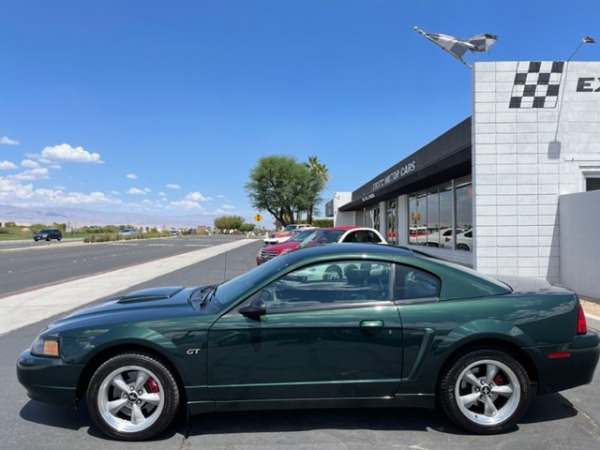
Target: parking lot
{"points": [[570, 420]]}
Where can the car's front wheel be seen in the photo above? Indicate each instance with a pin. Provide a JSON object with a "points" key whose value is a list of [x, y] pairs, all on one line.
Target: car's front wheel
{"points": [[133, 396], [485, 391]]}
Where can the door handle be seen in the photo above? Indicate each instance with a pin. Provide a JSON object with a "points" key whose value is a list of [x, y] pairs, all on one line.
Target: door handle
{"points": [[371, 324]]}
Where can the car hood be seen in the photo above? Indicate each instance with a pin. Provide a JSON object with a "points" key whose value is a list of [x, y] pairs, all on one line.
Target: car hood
{"points": [[283, 246], [146, 304]]}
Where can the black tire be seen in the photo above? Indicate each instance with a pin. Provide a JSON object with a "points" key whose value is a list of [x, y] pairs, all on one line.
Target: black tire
{"points": [[485, 391], [332, 273], [147, 390], [463, 247]]}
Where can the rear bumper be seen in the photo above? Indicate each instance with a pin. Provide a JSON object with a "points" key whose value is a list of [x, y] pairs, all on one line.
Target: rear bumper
{"points": [[574, 367]]}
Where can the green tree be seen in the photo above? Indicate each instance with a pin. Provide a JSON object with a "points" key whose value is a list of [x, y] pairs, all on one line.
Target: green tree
{"points": [[247, 227], [281, 186], [225, 223], [320, 176]]}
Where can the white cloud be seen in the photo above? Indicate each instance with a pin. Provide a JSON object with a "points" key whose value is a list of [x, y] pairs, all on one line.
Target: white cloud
{"points": [[197, 197], [29, 163], [57, 196], [11, 191], [173, 186], [185, 204], [39, 173], [137, 191], [229, 207], [24, 195], [64, 152], [132, 176], [8, 141], [4, 165], [162, 194], [190, 201]]}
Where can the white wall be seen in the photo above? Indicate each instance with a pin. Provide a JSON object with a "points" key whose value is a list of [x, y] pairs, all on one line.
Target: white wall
{"points": [[523, 160], [342, 218], [580, 242]]}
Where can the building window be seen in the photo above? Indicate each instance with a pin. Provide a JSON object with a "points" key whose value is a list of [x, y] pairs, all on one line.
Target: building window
{"points": [[417, 214], [377, 219], [431, 214], [391, 222], [592, 183], [464, 215]]}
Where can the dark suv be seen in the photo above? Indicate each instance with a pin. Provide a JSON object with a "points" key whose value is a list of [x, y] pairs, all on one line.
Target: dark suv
{"points": [[47, 234]]}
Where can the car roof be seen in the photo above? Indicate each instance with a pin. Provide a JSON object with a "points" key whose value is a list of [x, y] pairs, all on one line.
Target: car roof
{"points": [[348, 249]]}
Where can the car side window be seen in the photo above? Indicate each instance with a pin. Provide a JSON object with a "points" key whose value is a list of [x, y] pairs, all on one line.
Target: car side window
{"points": [[329, 284], [412, 283], [372, 237]]}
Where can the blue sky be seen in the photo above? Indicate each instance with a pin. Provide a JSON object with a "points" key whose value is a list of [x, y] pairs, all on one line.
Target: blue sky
{"points": [[164, 106]]}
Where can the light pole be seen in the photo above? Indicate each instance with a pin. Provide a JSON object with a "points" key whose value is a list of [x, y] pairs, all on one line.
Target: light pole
{"points": [[584, 40]]}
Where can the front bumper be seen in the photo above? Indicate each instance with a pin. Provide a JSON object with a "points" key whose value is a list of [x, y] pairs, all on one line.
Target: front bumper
{"points": [[48, 380]]}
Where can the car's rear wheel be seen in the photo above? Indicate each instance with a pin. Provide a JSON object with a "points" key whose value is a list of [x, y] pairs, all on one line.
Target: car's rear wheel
{"points": [[133, 396], [485, 391]]}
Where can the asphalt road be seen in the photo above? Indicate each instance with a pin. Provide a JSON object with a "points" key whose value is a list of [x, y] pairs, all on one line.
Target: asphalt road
{"points": [[26, 265], [570, 420]]}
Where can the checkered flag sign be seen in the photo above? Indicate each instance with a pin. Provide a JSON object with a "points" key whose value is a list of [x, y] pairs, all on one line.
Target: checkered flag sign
{"points": [[536, 85]]}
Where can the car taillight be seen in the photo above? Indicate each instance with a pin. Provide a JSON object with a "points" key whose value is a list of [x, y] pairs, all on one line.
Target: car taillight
{"points": [[581, 322]]}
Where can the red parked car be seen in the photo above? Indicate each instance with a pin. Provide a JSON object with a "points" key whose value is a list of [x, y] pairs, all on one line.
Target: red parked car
{"points": [[318, 236]]}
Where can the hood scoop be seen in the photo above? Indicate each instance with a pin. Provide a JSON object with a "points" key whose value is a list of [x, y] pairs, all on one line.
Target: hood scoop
{"points": [[151, 294]]}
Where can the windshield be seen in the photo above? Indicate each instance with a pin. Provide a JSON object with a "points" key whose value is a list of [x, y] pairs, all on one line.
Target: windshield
{"points": [[322, 236], [233, 289], [301, 236]]}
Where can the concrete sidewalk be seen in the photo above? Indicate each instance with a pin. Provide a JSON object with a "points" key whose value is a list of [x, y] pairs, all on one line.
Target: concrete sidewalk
{"points": [[29, 307]]}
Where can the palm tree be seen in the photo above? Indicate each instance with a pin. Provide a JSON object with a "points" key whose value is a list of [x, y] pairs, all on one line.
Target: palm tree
{"points": [[321, 176]]}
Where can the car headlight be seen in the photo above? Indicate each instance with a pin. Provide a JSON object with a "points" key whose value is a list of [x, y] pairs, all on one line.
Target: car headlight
{"points": [[43, 346]]}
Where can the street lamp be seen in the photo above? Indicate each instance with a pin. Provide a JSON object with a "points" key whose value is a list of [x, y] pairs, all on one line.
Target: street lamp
{"points": [[585, 40]]}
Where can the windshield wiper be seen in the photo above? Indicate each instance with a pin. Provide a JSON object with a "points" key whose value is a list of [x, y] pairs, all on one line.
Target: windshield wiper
{"points": [[207, 294]]}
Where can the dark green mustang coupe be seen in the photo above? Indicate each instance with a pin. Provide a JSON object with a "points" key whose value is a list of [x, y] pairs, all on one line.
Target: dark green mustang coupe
{"points": [[391, 328]]}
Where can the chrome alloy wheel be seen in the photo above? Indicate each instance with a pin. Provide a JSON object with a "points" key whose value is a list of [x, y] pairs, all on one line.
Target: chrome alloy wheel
{"points": [[488, 392], [130, 399]]}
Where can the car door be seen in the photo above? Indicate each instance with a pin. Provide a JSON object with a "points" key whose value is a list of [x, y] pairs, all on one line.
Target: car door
{"points": [[316, 339]]}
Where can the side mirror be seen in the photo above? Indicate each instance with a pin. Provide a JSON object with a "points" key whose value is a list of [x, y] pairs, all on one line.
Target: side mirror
{"points": [[255, 309]]}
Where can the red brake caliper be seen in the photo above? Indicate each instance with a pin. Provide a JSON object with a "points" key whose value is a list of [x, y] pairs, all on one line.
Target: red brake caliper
{"points": [[152, 386]]}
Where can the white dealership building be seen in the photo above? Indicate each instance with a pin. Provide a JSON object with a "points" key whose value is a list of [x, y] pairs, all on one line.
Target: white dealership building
{"points": [[512, 190]]}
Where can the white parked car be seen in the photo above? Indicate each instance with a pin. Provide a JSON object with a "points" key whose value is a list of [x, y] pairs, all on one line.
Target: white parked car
{"points": [[435, 238], [289, 231], [464, 241]]}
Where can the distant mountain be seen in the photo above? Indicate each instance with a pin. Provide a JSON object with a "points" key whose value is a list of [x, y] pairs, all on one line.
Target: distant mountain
{"points": [[78, 217]]}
